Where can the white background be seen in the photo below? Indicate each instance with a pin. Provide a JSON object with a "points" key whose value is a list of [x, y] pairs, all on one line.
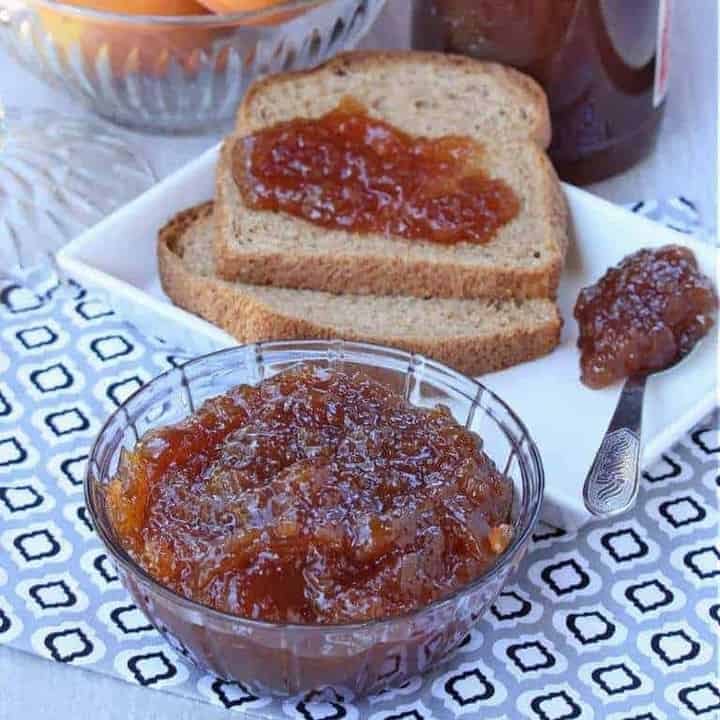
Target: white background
{"points": [[684, 162]]}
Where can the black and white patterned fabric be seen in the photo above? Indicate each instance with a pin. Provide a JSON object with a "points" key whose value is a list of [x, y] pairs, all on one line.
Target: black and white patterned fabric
{"points": [[677, 213], [619, 621]]}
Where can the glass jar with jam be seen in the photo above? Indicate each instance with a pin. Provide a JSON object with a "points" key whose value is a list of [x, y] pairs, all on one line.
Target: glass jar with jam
{"points": [[602, 63]]}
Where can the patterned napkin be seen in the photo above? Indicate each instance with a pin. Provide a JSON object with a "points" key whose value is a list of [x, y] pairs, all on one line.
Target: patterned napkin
{"points": [[617, 621]]}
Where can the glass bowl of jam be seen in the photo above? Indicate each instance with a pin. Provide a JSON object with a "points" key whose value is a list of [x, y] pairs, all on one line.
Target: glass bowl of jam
{"points": [[174, 66], [293, 515]]}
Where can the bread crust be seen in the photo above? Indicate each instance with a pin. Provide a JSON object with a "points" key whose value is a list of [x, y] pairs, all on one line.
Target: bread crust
{"points": [[528, 91], [247, 318]]}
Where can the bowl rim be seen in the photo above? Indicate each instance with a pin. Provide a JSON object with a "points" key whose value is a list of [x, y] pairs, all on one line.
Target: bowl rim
{"points": [[210, 19], [134, 569]]}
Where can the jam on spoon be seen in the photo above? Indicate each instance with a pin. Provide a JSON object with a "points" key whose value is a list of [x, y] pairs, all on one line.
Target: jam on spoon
{"points": [[643, 315]]}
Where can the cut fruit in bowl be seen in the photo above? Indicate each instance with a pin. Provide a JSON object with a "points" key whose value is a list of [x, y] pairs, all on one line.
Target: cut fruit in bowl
{"points": [[143, 7], [238, 6], [142, 47], [264, 7], [174, 66]]}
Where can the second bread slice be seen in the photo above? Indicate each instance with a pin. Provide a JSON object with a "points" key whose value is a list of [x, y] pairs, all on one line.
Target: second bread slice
{"points": [[474, 336]]}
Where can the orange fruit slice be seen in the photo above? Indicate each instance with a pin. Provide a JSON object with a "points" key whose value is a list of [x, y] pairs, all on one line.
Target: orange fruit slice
{"points": [[225, 7], [143, 7], [237, 6]]}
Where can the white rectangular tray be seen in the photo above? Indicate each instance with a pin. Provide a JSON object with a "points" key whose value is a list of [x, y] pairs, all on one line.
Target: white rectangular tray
{"points": [[567, 420]]}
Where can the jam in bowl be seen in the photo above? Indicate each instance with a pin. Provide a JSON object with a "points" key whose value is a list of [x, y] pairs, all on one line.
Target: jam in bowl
{"points": [[378, 446]]}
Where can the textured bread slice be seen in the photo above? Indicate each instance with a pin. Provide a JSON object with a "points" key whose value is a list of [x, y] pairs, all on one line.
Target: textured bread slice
{"points": [[474, 336], [428, 95]]}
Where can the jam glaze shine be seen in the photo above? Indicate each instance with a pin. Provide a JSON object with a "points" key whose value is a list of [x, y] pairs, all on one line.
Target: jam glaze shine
{"points": [[349, 171], [643, 315], [318, 496]]}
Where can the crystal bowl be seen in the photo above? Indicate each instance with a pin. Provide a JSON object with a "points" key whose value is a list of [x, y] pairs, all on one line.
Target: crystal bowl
{"points": [[179, 74], [290, 658]]}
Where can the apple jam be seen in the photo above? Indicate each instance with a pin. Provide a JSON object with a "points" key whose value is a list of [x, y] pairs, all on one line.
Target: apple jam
{"points": [[643, 315], [348, 171], [317, 496]]}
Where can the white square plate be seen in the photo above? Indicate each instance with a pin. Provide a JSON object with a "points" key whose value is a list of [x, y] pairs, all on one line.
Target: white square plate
{"points": [[566, 419]]}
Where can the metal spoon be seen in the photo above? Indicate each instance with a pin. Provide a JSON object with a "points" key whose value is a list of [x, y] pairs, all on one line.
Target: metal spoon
{"points": [[613, 480]]}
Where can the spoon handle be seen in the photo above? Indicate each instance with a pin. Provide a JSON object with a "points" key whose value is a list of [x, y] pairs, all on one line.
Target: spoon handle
{"points": [[612, 483]]}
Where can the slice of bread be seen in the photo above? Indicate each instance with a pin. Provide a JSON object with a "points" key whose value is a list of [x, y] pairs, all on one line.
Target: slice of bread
{"points": [[474, 336], [425, 94]]}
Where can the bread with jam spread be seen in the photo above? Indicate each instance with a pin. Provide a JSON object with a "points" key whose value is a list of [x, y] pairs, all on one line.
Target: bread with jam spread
{"points": [[425, 95], [474, 336]]}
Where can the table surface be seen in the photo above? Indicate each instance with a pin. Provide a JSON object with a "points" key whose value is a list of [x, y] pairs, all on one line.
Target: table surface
{"points": [[683, 162]]}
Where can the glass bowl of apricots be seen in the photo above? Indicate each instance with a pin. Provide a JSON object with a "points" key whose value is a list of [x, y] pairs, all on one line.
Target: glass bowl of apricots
{"points": [[174, 65]]}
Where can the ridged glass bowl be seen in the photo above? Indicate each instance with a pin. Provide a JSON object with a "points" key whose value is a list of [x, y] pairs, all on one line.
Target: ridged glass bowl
{"points": [[284, 658], [184, 73]]}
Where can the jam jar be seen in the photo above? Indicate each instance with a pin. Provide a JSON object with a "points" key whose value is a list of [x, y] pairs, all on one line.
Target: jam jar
{"points": [[602, 63]]}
